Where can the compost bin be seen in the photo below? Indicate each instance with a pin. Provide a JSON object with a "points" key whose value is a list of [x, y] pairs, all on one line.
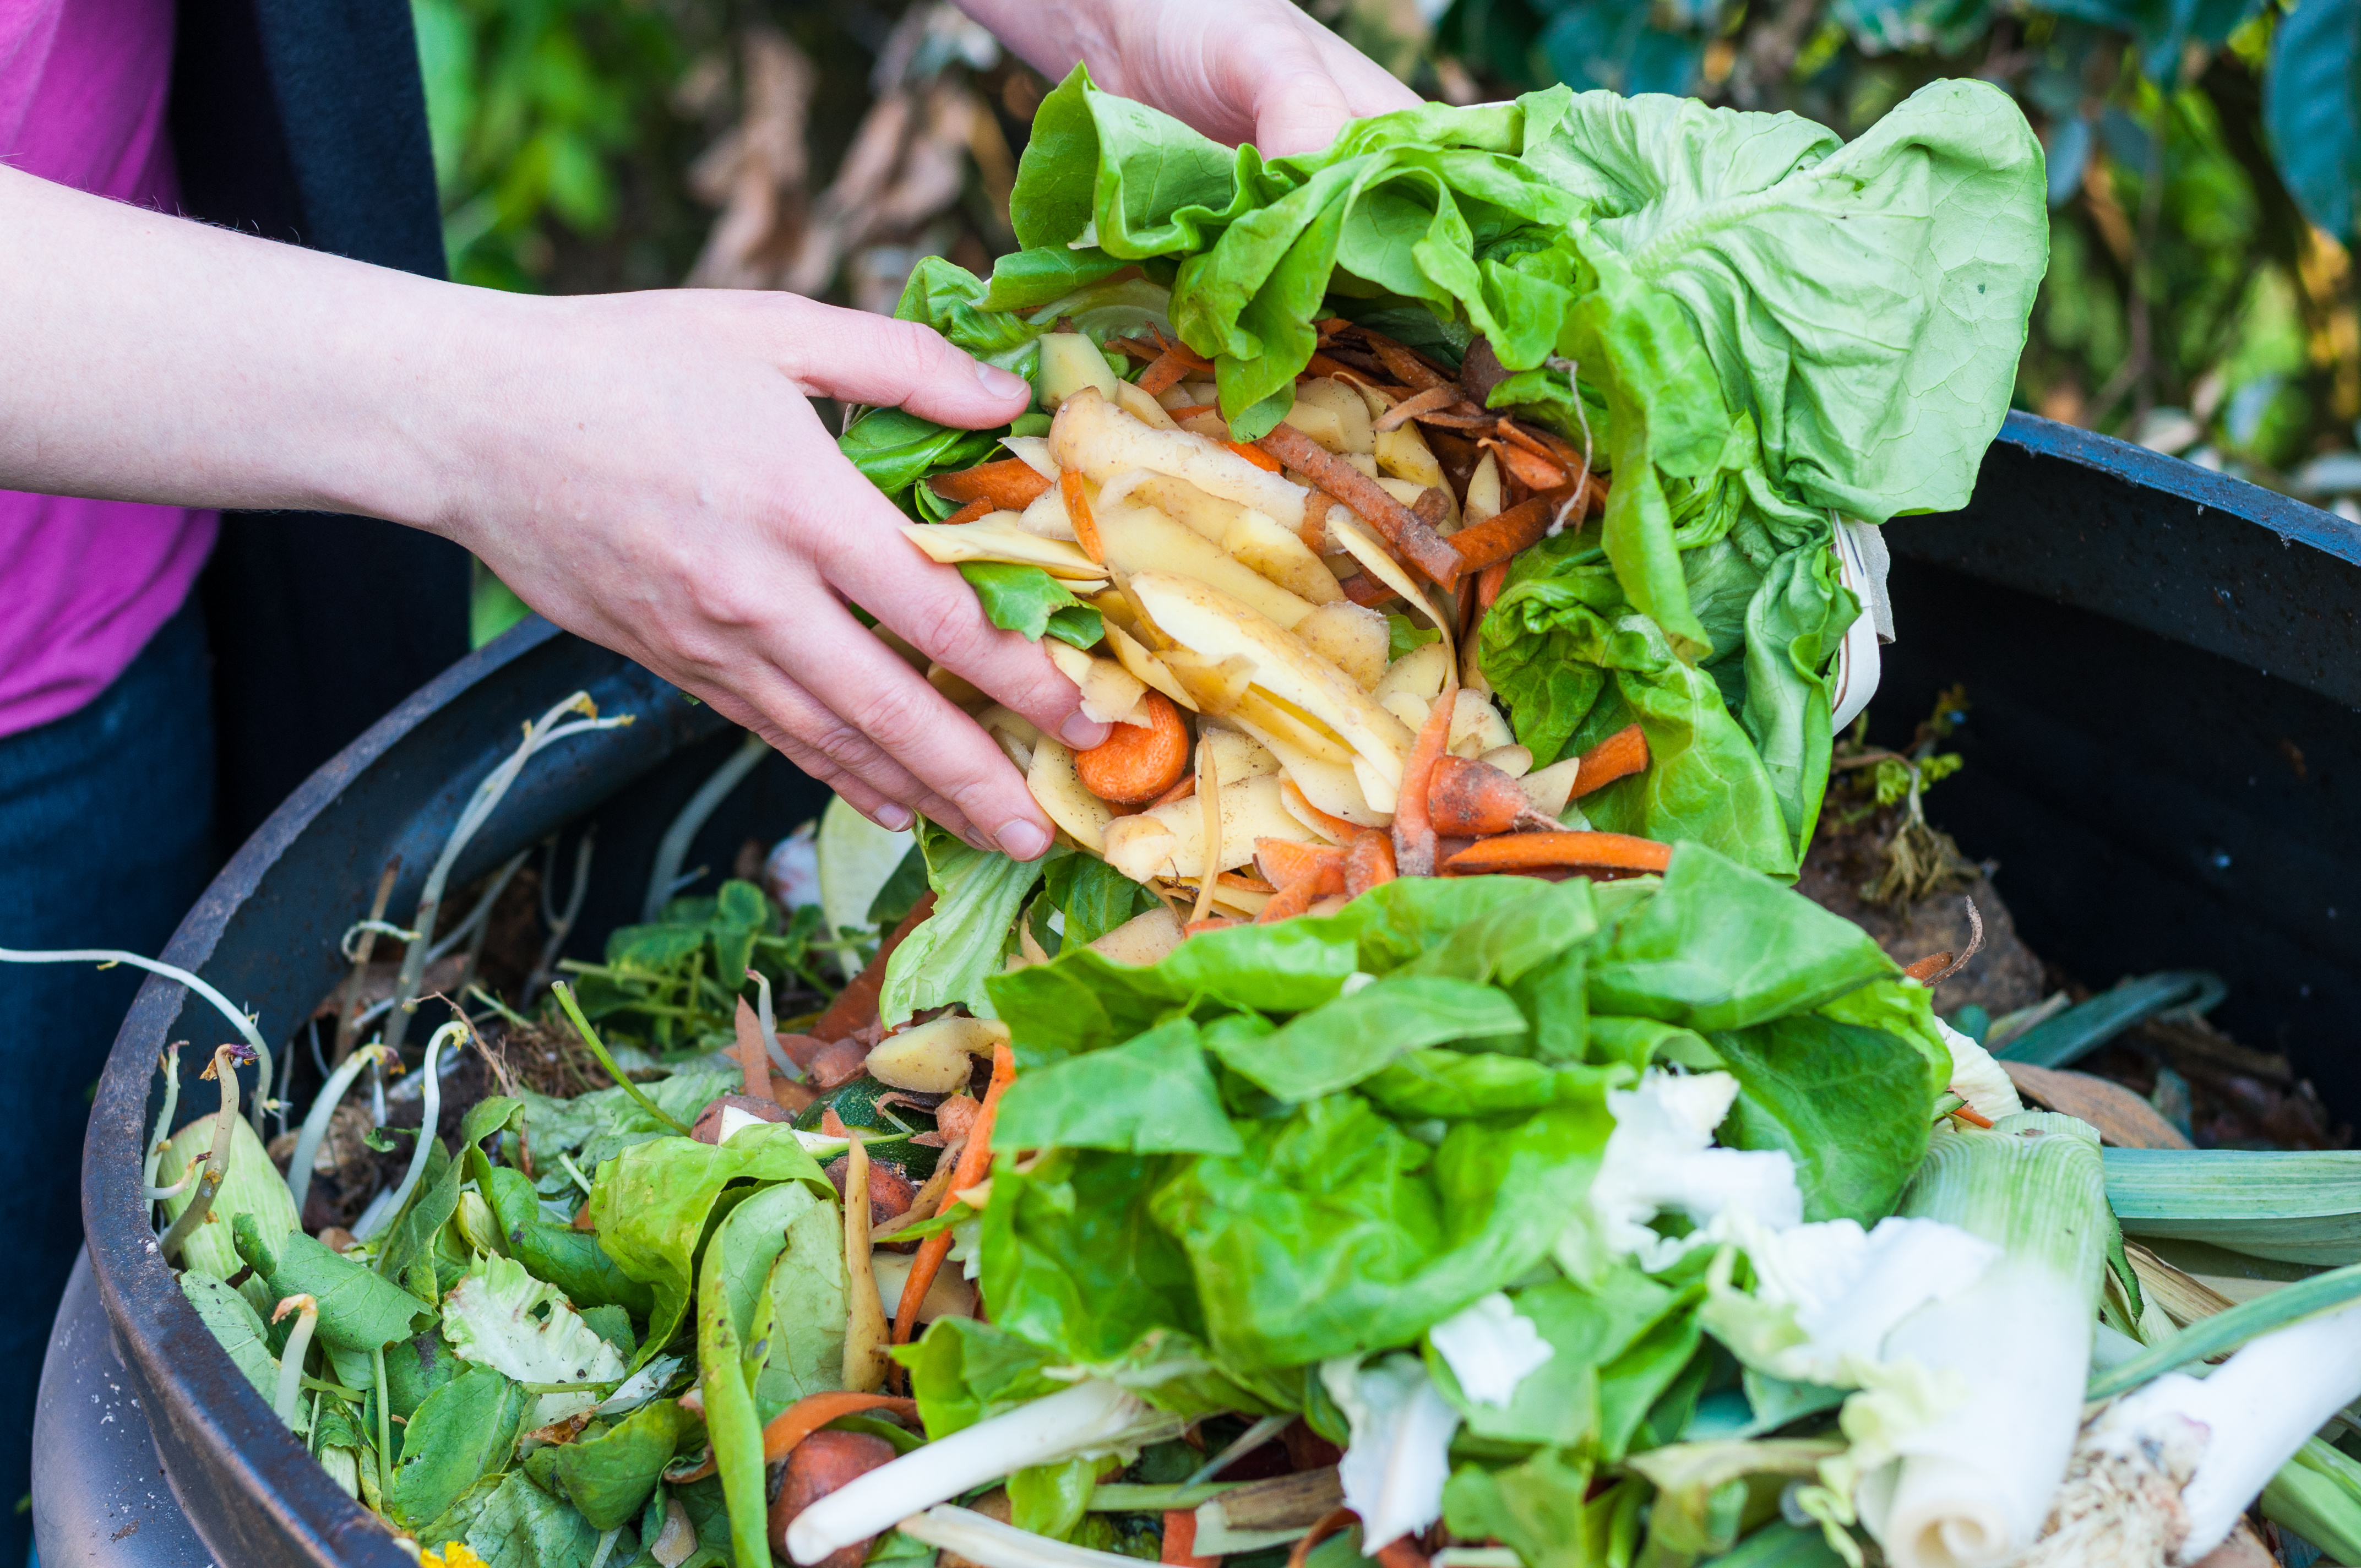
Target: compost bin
{"points": [[2166, 668]]}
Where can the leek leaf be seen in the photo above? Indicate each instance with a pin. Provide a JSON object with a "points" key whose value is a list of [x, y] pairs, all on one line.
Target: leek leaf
{"points": [[2294, 1206], [2227, 1330]]}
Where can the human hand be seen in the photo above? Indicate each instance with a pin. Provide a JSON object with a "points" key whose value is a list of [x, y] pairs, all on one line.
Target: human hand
{"points": [[1256, 70], [650, 473]]}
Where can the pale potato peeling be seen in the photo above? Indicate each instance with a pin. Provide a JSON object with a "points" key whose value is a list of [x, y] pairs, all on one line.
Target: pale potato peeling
{"points": [[1059, 790], [1344, 408], [1145, 666], [1091, 435], [1370, 551], [1205, 620], [934, 1058], [1352, 637], [1169, 841], [1110, 693], [1257, 543], [1140, 538], [1000, 537], [1142, 939], [1550, 788]]}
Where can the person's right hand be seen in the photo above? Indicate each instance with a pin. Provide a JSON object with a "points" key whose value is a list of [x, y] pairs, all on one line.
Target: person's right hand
{"points": [[647, 471]]}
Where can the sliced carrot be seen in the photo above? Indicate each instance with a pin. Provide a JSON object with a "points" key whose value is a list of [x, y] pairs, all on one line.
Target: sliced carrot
{"points": [[1181, 791], [1179, 1549], [1165, 372], [1298, 897], [1432, 400], [1973, 1117], [1561, 848], [974, 512], [1621, 754], [1489, 584], [1285, 861], [1368, 861], [1010, 484], [813, 1411], [1414, 829], [1211, 923], [1494, 540], [1136, 763], [1078, 512], [1409, 533], [855, 1006], [973, 1162], [1256, 454]]}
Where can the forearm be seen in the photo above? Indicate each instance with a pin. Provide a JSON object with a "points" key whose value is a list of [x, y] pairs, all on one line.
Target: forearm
{"points": [[146, 358]]}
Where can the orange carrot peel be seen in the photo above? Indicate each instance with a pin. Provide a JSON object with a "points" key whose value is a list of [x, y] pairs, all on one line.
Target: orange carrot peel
{"points": [[1256, 455], [1285, 861], [1409, 534], [1078, 512], [973, 1161], [813, 1411], [1559, 849], [1368, 861], [1489, 584], [1010, 484], [1167, 370], [974, 512]]}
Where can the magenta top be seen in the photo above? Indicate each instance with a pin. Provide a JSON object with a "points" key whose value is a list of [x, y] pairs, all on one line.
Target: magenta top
{"points": [[85, 584]]}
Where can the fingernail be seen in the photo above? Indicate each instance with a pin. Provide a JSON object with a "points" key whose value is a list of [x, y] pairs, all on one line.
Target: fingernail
{"points": [[893, 818], [1082, 734], [1000, 383], [1022, 840]]}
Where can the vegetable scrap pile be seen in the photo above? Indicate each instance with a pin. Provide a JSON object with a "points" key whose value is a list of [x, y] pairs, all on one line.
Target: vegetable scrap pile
{"points": [[1573, 390], [1262, 1174]]}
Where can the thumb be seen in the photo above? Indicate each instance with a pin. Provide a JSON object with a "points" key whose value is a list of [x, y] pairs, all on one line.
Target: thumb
{"points": [[1298, 106], [857, 357]]}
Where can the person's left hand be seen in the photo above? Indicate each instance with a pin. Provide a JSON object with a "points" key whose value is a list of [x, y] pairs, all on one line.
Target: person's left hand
{"points": [[1256, 70]]}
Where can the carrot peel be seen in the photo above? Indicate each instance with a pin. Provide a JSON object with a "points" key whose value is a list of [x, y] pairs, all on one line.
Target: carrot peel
{"points": [[973, 1162], [813, 1411], [1563, 848], [1413, 828], [1078, 512], [1621, 754], [1368, 863]]}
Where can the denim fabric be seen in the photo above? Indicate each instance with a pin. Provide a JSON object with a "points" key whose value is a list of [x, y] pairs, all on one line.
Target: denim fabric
{"points": [[105, 841]]}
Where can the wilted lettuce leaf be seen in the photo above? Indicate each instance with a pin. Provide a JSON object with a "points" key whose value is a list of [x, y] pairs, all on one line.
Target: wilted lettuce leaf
{"points": [[651, 1204], [1094, 897], [1587, 1327], [1029, 601], [1459, 1086], [1073, 1259], [1153, 1094], [359, 1311], [949, 956], [609, 1476], [521, 1525], [964, 1370], [1721, 947]]}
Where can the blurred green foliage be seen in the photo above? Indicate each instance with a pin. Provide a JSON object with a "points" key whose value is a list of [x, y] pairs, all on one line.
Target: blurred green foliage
{"points": [[2203, 160]]}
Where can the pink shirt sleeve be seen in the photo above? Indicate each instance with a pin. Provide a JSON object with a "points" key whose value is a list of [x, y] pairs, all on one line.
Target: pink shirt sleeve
{"points": [[84, 89]]}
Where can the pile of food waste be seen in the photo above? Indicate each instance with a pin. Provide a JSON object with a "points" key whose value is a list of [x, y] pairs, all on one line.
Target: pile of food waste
{"points": [[1407, 1115]]}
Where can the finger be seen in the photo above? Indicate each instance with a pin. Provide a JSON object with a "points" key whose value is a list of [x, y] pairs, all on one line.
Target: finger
{"points": [[877, 701], [863, 358], [1370, 88], [1299, 107], [933, 608]]}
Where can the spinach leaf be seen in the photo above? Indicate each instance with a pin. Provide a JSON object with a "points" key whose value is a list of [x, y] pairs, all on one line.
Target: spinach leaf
{"points": [[1151, 1095], [1029, 601], [1338, 1044], [572, 1260], [359, 1311], [459, 1434], [652, 1202], [1721, 947]]}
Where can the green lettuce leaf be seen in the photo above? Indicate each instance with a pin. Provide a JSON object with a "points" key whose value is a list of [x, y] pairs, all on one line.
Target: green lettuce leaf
{"points": [[964, 1370], [610, 1477], [1558, 1404], [521, 1525], [1337, 1046], [1542, 1509], [1153, 1094], [1094, 897], [460, 1435], [359, 1311], [950, 956], [1071, 1259]]}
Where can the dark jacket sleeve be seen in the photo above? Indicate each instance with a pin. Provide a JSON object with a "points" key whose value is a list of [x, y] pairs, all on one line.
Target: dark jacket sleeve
{"points": [[304, 121]]}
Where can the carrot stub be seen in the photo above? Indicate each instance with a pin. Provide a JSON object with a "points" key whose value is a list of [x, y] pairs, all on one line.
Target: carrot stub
{"points": [[1621, 754], [1559, 848], [813, 1411], [1468, 799], [1134, 764], [1927, 969], [973, 1161], [1078, 512], [1497, 538], [1368, 861], [1414, 829], [1489, 584], [1011, 484]]}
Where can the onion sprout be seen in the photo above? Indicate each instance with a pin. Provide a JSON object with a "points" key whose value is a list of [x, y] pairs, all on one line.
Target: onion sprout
{"points": [[324, 1110], [430, 1101], [106, 957], [291, 1363], [674, 846], [544, 732], [172, 1064], [560, 922], [224, 1071]]}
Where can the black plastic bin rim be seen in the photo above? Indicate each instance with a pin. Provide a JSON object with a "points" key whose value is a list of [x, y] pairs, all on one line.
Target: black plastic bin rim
{"points": [[254, 1492]]}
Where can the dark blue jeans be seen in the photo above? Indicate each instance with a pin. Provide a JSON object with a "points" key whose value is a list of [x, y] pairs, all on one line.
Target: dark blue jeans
{"points": [[105, 841]]}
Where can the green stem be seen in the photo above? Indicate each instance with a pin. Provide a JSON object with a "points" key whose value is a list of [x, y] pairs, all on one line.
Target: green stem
{"points": [[565, 994], [384, 1427]]}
